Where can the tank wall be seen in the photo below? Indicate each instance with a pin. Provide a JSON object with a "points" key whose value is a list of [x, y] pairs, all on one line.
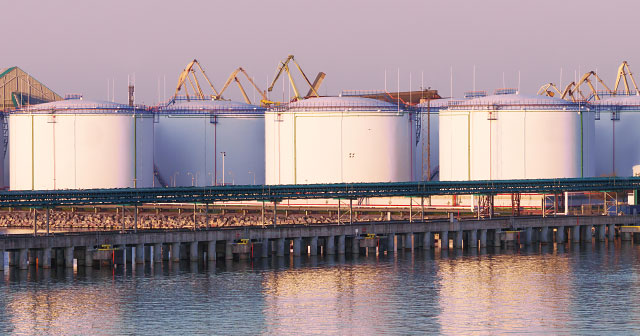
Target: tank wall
{"points": [[332, 147], [188, 150], [421, 163], [74, 151], [616, 144], [453, 145]]}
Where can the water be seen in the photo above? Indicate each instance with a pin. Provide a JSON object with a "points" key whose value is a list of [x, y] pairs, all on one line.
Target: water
{"points": [[590, 289]]}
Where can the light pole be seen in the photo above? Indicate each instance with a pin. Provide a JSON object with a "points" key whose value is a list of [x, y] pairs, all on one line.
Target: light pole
{"points": [[189, 173], [224, 154], [254, 176], [174, 178]]}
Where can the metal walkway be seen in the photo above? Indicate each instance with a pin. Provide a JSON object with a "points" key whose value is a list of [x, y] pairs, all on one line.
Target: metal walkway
{"points": [[130, 196]]}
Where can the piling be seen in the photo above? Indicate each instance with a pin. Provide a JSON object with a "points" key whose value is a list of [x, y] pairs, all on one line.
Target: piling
{"points": [[427, 240], [175, 252], [280, 247], [211, 250], [341, 244], [297, 242], [313, 246], [611, 232], [193, 251], [457, 241], [330, 245], [483, 238], [23, 258], [560, 239], [473, 239], [68, 257], [544, 235], [139, 253]]}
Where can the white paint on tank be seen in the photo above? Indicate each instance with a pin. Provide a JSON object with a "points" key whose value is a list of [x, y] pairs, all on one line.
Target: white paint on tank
{"points": [[617, 136], [339, 139]]}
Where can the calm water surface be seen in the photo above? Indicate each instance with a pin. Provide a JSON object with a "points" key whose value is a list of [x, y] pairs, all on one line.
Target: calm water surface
{"points": [[591, 289]]}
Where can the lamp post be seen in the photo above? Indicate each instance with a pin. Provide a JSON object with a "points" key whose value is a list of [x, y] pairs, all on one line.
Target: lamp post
{"points": [[254, 176], [224, 154], [189, 173], [174, 178]]}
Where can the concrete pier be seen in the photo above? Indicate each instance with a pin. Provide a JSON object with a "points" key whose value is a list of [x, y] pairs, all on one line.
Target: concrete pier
{"points": [[280, 247], [496, 237], [88, 257], [46, 258], [601, 232], [341, 244], [473, 238], [560, 235], [575, 234], [265, 248], [586, 234], [330, 248], [483, 238], [408, 241], [457, 241], [427, 240], [193, 251], [68, 257], [23, 258], [355, 246], [211, 250], [313, 246], [175, 252], [297, 242], [528, 236], [157, 252], [228, 251], [1, 260], [444, 240], [391, 243], [544, 235], [611, 232], [139, 253]]}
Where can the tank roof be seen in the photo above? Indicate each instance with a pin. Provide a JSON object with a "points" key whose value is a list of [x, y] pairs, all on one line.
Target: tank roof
{"points": [[514, 101], [343, 103], [182, 105], [82, 106], [440, 103], [619, 102]]}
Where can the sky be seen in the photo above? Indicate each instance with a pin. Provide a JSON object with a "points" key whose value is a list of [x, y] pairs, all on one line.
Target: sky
{"points": [[80, 46]]}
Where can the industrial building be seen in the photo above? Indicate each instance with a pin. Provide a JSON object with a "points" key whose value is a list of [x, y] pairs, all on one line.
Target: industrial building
{"points": [[339, 139], [80, 144], [203, 142], [514, 136]]}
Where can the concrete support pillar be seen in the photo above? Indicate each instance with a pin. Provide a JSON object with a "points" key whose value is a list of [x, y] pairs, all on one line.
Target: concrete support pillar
{"points": [[211, 250], [313, 246], [355, 246], [193, 251], [88, 256], [473, 238], [13, 258], [586, 233], [496, 237], [165, 252], [341, 244], [280, 247], [32, 256], [297, 242], [59, 253], [157, 252], [602, 234], [68, 257], [139, 253], [1, 260], [575, 234], [444, 240], [330, 245], [457, 241], [408, 241], [427, 240], [625, 236], [611, 232], [560, 236], [46, 258], [266, 248], [483, 238], [175, 252], [544, 235], [228, 252], [391, 243], [23, 257], [528, 236]]}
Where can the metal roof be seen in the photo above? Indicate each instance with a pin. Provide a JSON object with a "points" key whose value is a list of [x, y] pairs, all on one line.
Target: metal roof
{"points": [[182, 105], [341, 104], [81, 106], [515, 102]]}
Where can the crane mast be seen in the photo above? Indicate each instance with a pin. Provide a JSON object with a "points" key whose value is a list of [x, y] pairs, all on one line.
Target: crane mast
{"points": [[284, 67]]}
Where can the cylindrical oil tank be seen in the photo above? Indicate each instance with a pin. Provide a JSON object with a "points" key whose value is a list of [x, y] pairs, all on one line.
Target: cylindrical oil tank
{"points": [[80, 144], [204, 142], [514, 136], [339, 140], [617, 135]]}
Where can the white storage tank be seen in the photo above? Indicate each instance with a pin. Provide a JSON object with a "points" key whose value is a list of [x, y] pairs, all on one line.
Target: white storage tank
{"points": [[80, 144], [514, 136], [339, 140], [617, 135], [204, 142]]}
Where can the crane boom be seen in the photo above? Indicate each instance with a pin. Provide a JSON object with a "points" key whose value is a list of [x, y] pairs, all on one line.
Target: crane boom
{"points": [[545, 90], [622, 74], [189, 74], [284, 67]]}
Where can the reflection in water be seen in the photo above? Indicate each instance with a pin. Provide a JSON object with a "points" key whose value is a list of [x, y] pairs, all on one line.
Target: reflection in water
{"points": [[549, 289]]}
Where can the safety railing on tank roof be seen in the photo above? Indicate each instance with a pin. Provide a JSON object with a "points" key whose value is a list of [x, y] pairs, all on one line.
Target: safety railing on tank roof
{"points": [[97, 109], [507, 105], [229, 110], [344, 107]]}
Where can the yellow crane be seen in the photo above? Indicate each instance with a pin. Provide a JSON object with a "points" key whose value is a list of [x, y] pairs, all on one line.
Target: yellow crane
{"points": [[284, 66], [546, 90], [623, 71], [189, 75], [585, 79], [234, 77]]}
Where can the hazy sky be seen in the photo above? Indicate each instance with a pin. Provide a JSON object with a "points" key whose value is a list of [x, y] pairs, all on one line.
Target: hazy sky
{"points": [[78, 46]]}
